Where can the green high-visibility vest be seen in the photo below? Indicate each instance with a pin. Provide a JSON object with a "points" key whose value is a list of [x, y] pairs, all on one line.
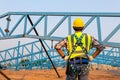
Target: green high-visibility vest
{"points": [[78, 52]]}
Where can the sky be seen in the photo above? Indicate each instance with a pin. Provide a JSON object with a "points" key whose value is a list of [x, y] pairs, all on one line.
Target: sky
{"points": [[58, 6]]}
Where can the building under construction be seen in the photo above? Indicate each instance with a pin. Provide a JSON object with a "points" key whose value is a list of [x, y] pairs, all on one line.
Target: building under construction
{"points": [[37, 33]]}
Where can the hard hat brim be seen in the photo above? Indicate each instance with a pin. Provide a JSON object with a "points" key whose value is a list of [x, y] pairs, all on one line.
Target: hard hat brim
{"points": [[78, 28]]}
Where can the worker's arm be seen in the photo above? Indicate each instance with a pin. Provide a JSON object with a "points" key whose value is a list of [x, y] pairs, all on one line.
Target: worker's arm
{"points": [[97, 52], [58, 48], [99, 47], [61, 53]]}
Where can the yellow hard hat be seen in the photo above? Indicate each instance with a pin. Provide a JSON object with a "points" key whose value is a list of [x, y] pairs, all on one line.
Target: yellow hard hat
{"points": [[78, 22]]}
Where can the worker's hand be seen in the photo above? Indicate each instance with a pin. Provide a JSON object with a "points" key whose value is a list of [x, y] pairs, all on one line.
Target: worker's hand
{"points": [[91, 58], [66, 58]]}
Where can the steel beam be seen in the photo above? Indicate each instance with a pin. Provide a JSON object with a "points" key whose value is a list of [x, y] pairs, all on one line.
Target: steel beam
{"points": [[10, 32]]}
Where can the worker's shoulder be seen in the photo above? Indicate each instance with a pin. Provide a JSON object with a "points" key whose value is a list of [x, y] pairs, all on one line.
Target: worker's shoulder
{"points": [[70, 35], [87, 34]]}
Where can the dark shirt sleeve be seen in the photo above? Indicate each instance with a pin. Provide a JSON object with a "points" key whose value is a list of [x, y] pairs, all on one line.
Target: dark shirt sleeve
{"points": [[62, 43]]}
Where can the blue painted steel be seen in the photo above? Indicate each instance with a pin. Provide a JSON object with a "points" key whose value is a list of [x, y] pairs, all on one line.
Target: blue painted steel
{"points": [[35, 53], [69, 25], [101, 14], [59, 23], [112, 33], [8, 23], [46, 26], [17, 60], [32, 57], [89, 21], [2, 32], [35, 24], [16, 25], [99, 29], [25, 25]]}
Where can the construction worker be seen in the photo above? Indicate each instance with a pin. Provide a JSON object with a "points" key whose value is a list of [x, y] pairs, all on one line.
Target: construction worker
{"points": [[78, 46]]}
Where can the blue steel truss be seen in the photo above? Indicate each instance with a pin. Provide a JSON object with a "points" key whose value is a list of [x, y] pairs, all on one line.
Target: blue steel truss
{"points": [[17, 25]]}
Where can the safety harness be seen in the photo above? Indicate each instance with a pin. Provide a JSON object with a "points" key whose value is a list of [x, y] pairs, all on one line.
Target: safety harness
{"points": [[78, 43], [82, 69]]}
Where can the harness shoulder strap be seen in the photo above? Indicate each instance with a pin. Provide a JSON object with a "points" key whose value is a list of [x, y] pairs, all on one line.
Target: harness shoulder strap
{"points": [[79, 42], [75, 46]]}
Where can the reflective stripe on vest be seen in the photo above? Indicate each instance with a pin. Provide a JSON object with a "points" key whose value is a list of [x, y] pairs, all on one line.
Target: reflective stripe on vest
{"points": [[86, 41]]}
